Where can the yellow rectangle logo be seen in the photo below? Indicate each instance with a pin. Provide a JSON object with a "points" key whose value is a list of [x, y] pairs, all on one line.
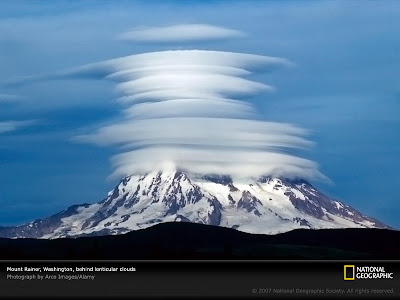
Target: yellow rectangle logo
{"points": [[349, 272]]}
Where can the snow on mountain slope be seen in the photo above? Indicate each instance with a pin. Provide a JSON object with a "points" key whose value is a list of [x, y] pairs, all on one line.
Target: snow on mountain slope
{"points": [[267, 206]]}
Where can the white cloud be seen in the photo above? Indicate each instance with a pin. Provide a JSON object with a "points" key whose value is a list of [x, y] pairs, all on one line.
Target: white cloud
{"points": [[180, 33], [239, 163], [190, 108], [8, 126], [137, 66], [181, 109], [201, 131]]}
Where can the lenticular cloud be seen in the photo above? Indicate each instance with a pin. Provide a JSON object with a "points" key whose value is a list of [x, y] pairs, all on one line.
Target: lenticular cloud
{"points": [[187, 109], [180, 33]]}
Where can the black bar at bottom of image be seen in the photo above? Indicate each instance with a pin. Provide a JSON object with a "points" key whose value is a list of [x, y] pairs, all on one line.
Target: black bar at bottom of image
{"points": [[225, 279]]}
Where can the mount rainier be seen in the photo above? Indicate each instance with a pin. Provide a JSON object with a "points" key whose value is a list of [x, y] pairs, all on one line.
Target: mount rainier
{"points": [[267, 206]]}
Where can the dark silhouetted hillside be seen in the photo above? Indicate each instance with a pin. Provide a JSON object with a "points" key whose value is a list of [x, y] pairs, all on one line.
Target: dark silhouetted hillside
{"points": [[196, 241]]}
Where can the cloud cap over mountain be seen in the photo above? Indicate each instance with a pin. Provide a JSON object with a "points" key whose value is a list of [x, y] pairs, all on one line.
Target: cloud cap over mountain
{"points": [[181, 109]]}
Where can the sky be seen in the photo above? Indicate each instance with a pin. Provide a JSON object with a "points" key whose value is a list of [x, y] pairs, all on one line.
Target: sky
{"points": [[335, 80]]}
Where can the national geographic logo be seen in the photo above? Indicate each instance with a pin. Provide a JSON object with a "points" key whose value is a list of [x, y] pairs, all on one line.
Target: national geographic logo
{"points": [[351, 272]]}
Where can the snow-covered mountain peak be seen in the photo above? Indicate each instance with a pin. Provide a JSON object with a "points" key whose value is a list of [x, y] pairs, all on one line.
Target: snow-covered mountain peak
{"points": [[269, 205]]}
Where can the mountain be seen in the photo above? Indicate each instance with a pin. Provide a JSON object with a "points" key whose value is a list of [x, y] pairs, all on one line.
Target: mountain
{"points": [[267, 206], [181, 241]]}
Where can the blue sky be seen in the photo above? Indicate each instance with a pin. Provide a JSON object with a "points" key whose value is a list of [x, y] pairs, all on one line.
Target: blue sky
{"points": [[344, 87]]}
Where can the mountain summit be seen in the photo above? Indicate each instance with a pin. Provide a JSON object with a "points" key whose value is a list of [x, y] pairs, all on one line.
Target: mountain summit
{"points": [[267, 206]]}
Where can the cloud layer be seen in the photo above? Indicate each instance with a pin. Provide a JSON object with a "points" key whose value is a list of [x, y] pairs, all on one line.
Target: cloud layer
{"points": [[8, 126], [180, 33], [186, 109]]}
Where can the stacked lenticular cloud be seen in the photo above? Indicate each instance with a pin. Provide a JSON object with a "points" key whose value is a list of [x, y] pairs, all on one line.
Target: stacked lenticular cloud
{"points": [[181, 110]]}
